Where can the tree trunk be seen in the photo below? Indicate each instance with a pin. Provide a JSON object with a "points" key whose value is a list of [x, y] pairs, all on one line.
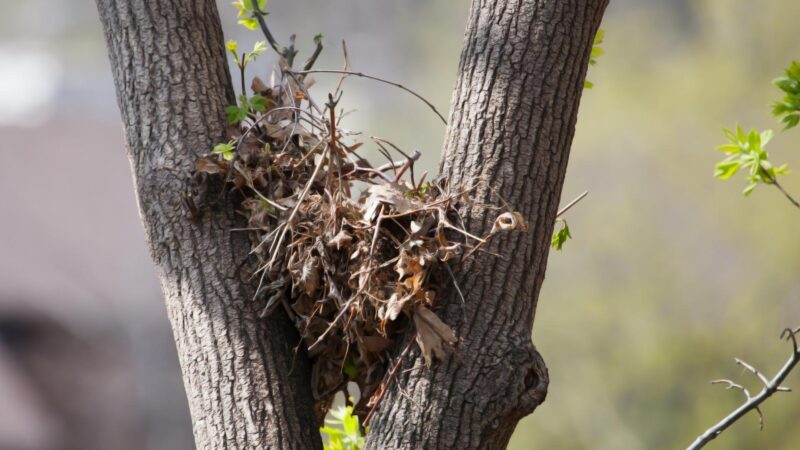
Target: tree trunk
{"points": [[511, 126], [245, 387]]}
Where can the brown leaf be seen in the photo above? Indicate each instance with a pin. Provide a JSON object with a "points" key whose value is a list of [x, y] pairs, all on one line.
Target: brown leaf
{"points": [[259, 87], [433, 335], [375, 344], [211, 166]]}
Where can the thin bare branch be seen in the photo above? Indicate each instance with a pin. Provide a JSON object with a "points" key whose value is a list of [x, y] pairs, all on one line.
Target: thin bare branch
{"points": [[370, 77], [753, 403], [563, 210]]}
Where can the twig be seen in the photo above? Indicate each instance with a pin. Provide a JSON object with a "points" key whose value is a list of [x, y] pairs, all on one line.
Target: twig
{"points": [[563, 210], [384, 386], [346, 68], [753, 402], [313, 59], [788, 196], [370, 77]]}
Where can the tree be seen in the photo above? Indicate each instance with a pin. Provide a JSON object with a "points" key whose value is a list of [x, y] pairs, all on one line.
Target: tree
{"points": [[514, 110]]}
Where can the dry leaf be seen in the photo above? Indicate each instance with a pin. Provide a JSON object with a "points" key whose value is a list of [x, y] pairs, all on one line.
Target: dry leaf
{"points": [[433, 335], [211, 166]]}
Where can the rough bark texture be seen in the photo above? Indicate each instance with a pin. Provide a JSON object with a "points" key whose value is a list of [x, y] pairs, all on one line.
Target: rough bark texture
{"points": [[513, 116], [245, 388]]}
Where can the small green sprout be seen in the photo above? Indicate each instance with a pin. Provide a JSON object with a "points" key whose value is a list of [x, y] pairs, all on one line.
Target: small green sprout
{"points": [[246, 10], [225, 150], [597, 51], [560, 236], [746, 151]]}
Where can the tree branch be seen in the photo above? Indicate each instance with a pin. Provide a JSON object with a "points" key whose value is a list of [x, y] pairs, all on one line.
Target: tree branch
{"points": [[752, 402]]}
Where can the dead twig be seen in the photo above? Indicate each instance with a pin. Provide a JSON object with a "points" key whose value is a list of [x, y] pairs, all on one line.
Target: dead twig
{"points": [[370, 77], [752, 402]]}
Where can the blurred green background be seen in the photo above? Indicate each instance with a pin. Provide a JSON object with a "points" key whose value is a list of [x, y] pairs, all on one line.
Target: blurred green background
{"points": [[670, 275]]}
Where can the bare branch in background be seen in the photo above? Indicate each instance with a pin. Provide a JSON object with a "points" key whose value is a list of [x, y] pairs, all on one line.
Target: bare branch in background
{"points": [[753, 402]]}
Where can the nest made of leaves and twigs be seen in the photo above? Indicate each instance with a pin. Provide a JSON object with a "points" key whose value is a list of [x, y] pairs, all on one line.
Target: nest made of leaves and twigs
{"points": [[355, 254]]}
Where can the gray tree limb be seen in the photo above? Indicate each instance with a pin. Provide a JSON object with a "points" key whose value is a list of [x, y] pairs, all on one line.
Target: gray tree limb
{"points": [[245, 388], [511, 126]]}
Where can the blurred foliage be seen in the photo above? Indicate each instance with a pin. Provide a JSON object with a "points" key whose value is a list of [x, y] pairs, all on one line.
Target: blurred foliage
{"points": [[789, 107], [342, 431], [597, 51]]}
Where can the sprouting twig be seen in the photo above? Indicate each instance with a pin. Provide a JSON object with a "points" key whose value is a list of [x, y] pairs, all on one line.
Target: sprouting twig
{"points": [[259, 15], [370, 77], [317, 50], [753, 402]]}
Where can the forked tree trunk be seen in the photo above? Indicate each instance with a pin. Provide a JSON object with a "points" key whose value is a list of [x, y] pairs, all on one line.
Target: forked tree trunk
{"points": [[172, 81], [511, 126]]}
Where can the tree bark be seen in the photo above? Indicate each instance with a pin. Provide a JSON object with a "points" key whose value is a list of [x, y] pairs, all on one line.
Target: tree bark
{"points": [[245, 387], [511, 126]]}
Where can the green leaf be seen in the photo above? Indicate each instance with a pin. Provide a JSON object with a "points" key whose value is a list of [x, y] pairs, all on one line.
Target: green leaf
{"points": [[740, 136], [259, 48], [725, 170], [729, 148], [235, 114], [249, 23], [789, 106], [794, 70], [598, 38], [561, 236], [754, 140], [231, 46], [791, 121], [766, 136], [596, 52], [749, 189], [258, 103], [225, 150]]}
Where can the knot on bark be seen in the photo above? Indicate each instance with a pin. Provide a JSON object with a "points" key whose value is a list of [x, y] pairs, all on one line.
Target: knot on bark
{"points": [[536, 381]]}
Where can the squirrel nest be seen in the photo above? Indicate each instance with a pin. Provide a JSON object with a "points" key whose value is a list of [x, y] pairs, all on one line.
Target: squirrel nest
{"points": [[355, 254]]}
